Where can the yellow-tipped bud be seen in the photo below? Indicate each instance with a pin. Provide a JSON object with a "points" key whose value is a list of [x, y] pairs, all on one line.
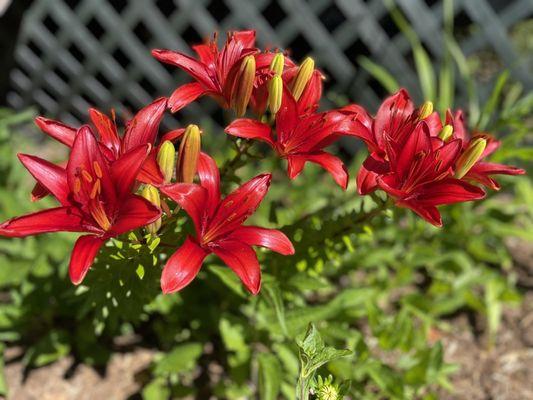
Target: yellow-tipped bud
{"points": [[166, 158], [245, 84], [426, 110], [188, 154], [277, 63], [446, 133], [305, 72], [470, 156], [275, 93], [151, 194]]}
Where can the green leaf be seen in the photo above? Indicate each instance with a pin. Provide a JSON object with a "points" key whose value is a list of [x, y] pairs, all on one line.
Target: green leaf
{"points": [[269, 376], [228, 277], [492, 102], [182, 358], [234, 342], [288, 358], [274, 294], [47, 350], [426, 74], [156, 390], [379, 73], [314, 353]]}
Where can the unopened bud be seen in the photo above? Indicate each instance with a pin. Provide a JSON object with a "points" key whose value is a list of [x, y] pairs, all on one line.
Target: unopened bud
{"points": [[151, 194], [277, 63], [446, 133], [426, 110], [166, 158], [305, 72], [470, 156], [245, 84], [188, 154], [275, 92]]}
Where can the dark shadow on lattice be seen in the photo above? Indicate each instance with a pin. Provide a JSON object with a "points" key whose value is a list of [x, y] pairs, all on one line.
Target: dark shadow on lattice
{"points": [[274, 14], [75, 51], [51, 25], [95, 28], [299, 47], [218, 10], [332, 17]]}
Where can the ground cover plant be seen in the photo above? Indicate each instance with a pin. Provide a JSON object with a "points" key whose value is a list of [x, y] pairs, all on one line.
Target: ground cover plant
{"points": [[255, 261]]}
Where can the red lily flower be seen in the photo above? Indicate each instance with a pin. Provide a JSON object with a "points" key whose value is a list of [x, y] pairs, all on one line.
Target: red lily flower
{"points": [[219, 229], [308, 100], [394, 122], [300, 139], [482, 170], [216, 71], [95, 197], [418, 174], [141, 129]]}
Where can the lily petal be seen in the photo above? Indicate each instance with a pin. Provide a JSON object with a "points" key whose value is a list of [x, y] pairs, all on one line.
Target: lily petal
{"points": [[448, 191], [418, 142], [250, 129], [150, 171], [287, 116], [482, 171], [184, 95], [107, 129], [210, 180], [182, 267], [58, 219], [173, 135], [238, 206], [194, 68], [192, 198], [241, 258], [272, 239], [134, 213], [295, 166], [84, 156], [366, 181], [144, 126], [429, 213], [57, 130], [392, 113], [82, 257], [327, 161], [53, 178], [124, 171]]}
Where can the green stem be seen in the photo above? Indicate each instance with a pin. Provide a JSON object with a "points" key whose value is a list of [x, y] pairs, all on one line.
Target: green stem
{"points": [[302, 387]]}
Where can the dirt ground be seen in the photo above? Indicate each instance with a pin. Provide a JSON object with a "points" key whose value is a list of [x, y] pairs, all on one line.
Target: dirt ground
{"points": [[504, 372]]}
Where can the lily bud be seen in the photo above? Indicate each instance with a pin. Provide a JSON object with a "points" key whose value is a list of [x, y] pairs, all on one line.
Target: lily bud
{"points": [[277, 63], [305, 72], [166, 159], [426, 110], [188, 154], [470, 156], [275, 92], [151, 194], [245, 84], [446, 133]]}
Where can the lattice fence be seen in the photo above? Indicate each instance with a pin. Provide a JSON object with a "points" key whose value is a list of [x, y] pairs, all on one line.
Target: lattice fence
{"points": [[75, 54]]}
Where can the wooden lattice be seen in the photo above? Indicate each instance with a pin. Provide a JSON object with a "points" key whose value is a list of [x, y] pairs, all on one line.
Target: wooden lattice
{"points": [[73, 54]]}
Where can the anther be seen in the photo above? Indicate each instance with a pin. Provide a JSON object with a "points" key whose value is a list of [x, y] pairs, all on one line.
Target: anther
{"points": [[97, 169]]}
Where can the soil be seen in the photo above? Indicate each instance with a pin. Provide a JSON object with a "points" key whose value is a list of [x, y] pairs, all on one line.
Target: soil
{"points": [[503, 371]]}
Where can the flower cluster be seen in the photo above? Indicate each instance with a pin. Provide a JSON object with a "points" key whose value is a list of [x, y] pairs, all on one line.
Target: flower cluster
{"points": [[113, 183], [419, 161]]}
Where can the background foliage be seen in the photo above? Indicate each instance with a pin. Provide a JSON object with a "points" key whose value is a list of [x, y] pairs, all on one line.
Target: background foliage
{"points": [[379, 286]]}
